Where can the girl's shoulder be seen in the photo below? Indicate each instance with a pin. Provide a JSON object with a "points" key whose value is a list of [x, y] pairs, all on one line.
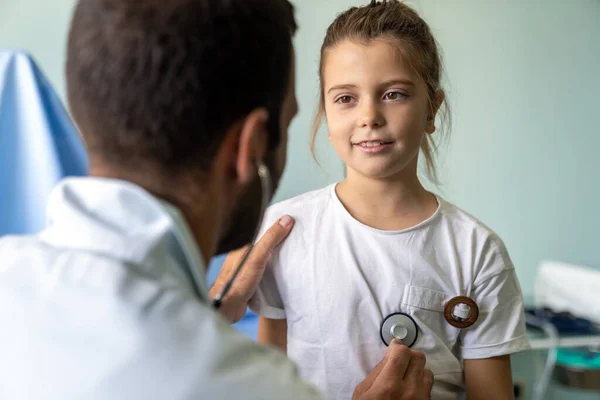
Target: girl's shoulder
{"points": [[302, 206], [462, 221], [483, 244], [305, 208]]}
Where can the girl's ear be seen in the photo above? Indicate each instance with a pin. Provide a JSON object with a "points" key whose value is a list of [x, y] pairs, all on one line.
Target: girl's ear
{"points": [[437, 103]]}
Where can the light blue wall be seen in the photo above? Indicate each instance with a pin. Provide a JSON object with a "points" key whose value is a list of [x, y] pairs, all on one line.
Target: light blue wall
{"points": [[523, 84], [40, 27]]}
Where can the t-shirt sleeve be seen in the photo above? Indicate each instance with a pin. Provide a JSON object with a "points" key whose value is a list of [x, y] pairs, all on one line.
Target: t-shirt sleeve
{"points": [[500, 328], [267, 301]]}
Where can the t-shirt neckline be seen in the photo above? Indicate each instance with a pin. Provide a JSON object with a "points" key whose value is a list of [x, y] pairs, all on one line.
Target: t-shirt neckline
{"points": [[348, 216]]}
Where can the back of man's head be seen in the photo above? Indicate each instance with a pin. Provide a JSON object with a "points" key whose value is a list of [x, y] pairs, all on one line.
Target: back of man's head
{"points": [[159, 82]]}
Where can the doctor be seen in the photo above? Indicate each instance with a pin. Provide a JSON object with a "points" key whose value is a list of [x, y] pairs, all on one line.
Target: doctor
{"points": [[179, 102]]}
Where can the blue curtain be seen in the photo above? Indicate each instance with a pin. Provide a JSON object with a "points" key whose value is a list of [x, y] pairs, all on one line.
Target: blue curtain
{"points": [[39, 144]]}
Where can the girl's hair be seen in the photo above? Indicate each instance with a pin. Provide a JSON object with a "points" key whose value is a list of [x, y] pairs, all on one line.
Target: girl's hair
{"points": [[396, 22]]}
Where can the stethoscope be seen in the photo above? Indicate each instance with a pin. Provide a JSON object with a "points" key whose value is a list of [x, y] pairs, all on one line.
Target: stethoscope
{"points": [[265, 184], [460, 312]]}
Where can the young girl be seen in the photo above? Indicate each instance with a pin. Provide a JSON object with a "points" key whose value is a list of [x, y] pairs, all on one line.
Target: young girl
{"points": [[378, 243]]}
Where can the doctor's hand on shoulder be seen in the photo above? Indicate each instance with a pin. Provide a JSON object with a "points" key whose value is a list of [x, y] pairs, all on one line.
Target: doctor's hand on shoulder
{"points": [[235, 303]]}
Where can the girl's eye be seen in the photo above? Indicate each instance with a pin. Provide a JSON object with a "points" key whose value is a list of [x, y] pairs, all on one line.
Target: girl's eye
{"points": [[394, 96], [344, 100]]}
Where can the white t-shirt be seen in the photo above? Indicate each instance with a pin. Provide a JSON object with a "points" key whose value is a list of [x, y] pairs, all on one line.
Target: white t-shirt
{"points": [[335, 279]]}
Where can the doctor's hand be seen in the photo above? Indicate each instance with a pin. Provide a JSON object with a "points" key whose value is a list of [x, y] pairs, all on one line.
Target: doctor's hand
{"points": [[401, 375], [235, 303]]}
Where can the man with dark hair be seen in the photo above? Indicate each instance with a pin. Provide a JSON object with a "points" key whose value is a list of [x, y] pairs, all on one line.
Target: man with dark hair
{"points": [[157, 87], [182, 104]]}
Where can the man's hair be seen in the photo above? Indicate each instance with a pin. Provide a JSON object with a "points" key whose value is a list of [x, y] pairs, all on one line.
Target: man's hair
{"points": [[161, 81]]}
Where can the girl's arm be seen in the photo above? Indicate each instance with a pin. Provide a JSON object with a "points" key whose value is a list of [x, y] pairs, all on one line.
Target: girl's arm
{"points": [[489, 379], [273, 332]]}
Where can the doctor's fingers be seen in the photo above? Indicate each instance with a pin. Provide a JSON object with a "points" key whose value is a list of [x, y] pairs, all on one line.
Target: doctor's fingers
{"points": [[271, 239], [231, 261], [428, 379], [365, 385], [416, 375], [398, 359], [254, 268], [259, 255]]}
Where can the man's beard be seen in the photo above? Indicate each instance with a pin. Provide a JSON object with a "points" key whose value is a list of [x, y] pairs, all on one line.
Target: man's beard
{"points": [[246, 216]]}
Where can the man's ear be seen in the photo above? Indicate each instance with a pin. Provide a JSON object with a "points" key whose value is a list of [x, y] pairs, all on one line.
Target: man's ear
{"points": [[440, 96], [246, 143]]}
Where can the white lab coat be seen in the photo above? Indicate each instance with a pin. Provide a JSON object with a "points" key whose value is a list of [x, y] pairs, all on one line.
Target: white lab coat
{"points": [[110, 302]]}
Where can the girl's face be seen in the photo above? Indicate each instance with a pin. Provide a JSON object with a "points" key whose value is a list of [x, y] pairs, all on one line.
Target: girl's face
{"points": [[376, 106]]}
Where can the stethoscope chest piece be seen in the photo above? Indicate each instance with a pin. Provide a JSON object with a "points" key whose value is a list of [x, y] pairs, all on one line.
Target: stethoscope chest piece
{"points": [[399, 326]]}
